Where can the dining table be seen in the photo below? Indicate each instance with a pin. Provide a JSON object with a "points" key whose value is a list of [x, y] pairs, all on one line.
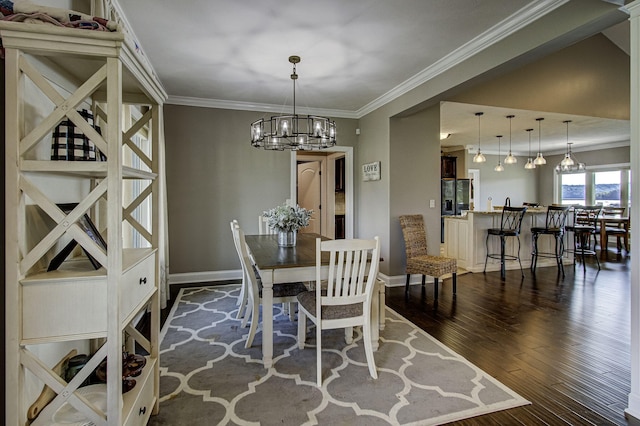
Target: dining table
{"points": [[277, 264]]}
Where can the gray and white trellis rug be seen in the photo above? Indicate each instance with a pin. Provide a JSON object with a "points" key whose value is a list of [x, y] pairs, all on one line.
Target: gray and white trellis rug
{"points": [[209, 378]]}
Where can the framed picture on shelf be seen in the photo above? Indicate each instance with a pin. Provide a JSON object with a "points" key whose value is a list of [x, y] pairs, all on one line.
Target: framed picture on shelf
{"points": [[87, 226]]}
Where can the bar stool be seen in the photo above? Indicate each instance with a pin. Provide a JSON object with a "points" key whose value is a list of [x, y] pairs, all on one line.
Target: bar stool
{"points": [[554, 225], [510, 225], [583, 226]]}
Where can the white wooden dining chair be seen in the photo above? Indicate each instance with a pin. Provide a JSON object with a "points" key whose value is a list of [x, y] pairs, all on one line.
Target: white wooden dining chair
{"points": [[243, 296], [263, 226], [347, 302], [282, 292]]}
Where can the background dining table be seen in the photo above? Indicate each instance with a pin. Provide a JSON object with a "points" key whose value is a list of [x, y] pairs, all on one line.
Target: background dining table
{"points": [[277, 264]]}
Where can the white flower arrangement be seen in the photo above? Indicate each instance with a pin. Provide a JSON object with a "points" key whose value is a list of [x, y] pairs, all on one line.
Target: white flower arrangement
{"points": [[286, 218]]}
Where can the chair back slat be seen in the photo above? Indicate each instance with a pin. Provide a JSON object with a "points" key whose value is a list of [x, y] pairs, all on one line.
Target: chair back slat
{"points": [[353, 267]]}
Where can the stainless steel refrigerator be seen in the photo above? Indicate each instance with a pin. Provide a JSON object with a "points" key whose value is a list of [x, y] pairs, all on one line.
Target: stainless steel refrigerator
{"points": [[454, 194]]}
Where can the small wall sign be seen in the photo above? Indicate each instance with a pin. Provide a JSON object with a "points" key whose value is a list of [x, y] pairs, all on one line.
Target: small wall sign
{"points": [[371, 171]]}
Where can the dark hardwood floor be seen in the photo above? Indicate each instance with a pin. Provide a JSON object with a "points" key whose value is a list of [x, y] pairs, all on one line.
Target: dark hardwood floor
{"points": [[563, 344]]}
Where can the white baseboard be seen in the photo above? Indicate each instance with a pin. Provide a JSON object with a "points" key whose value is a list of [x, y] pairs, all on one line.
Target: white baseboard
{"points": [[209, 276], [205, 276], [401, 280]]}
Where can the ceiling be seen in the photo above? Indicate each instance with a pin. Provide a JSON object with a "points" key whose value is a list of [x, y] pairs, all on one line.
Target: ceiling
{"points": [[356, 56]]}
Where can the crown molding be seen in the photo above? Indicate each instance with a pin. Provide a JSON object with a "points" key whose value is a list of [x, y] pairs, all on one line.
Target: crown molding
{"points": [[498, 32], [251, 106]]}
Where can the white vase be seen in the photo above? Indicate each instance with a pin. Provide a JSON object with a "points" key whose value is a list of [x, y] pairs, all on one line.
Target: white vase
{"points": [[287, 238]]}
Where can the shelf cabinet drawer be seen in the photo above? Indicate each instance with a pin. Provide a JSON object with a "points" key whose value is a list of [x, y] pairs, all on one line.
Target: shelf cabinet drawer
{"points": [[139, 405], [64, 305], [138, 283]]}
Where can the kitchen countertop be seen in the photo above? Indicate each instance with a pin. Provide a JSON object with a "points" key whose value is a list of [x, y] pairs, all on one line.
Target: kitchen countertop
{"points": [[495, 212]]}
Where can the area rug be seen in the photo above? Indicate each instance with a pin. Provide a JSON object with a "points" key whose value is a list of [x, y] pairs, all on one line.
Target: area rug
{"points": [[209, 378]]}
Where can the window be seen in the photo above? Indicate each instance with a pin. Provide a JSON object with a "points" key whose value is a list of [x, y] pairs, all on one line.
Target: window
{"points": [[573, 188], [604, 185], [607, 188]]}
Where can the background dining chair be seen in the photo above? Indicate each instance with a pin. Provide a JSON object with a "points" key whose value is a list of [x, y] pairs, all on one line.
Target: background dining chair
{"points": [[263, 226], [282, 292], [618, 230], [419, 261], [265, 229], [510, 226], [554, 225], [347, 300], [583, 224]]}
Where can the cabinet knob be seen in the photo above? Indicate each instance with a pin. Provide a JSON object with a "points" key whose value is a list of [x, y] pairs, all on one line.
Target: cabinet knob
{"points": [[142, 410], [143, 280]]}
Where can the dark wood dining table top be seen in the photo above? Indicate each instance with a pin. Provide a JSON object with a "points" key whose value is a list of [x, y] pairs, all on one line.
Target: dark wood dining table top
{"points": [[268, 255]]}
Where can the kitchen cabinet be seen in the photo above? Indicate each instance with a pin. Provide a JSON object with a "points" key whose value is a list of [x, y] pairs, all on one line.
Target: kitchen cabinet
{"points": [[448, 167]]}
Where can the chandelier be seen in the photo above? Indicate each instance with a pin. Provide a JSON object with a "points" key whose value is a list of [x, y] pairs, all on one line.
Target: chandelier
{"points": [[568, 163], [479, 157], [294, 132]]}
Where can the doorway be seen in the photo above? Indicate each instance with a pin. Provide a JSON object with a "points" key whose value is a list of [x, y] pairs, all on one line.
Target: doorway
{"points": [[335, 211]]}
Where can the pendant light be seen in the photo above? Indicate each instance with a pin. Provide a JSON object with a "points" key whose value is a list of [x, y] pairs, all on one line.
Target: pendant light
{"points": [[567, 160], [510, 159], [539, 161], [499, 167], [568, 163], [479, 157], [530, 165]]}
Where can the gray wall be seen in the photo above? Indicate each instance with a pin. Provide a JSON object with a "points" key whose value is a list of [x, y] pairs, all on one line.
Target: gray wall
{"points": [[515, 181], [415, 153], [590, 78], [215, 176]]}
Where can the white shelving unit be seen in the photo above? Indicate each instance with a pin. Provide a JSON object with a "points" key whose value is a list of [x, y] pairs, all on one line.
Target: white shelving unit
{"points": [[77, 302]]}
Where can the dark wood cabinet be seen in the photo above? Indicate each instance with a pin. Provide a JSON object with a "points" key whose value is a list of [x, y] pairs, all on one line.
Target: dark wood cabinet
{"points": [[448, 167]]}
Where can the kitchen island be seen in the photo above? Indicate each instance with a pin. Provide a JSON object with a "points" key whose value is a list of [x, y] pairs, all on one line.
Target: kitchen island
{"points": [[465, 240]]}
